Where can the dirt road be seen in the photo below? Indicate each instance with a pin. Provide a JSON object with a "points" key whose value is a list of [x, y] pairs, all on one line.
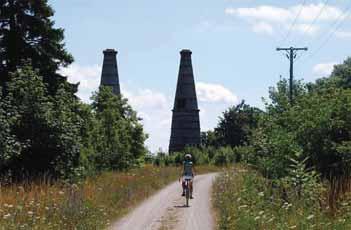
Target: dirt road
{"points": [[165, 210]]}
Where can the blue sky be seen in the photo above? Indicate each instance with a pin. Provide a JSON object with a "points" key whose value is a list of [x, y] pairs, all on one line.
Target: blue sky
{"points": [[233, 44]]}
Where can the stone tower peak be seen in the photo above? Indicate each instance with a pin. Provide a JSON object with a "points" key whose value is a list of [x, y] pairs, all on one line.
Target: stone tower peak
{"points": [[109, 75]]}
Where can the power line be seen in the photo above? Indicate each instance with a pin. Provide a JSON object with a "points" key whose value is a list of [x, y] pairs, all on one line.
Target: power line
{"points": [[295, 21], [310, 26], [335, 27]]}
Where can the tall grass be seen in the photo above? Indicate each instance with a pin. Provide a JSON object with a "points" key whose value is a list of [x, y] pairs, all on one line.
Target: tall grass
{"points": [[92, 204], [246, 200]]}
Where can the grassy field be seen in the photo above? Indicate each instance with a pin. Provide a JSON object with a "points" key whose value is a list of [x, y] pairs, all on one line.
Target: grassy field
{"points": [[91, 204], [245, 200]]}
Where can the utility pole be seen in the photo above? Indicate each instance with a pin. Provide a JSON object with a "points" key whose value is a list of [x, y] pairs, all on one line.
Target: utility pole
{"points": [[291, 55]]}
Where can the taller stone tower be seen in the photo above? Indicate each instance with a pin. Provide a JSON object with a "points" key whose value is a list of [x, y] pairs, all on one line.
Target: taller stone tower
{"points": [[109, 75], [185, 120]]}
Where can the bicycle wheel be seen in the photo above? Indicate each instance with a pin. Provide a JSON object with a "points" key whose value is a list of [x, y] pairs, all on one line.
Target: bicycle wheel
{"points": [[187, 196]]}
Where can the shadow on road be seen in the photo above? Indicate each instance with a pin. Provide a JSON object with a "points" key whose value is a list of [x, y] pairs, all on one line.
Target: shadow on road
{"points": [[181, 206]]}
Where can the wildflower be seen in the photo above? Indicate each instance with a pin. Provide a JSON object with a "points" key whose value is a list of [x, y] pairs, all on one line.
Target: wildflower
{"points": [[61, 192], [261, 194], [310, 217], [6, 216], [270, 220], [10, 206], [243, 206], [260, 213], [257, 218], [293, 227], [74, 187], [30, 213]]}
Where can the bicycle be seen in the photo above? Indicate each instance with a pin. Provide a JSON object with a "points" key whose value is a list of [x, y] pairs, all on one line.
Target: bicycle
{"points": [[187, 190]]}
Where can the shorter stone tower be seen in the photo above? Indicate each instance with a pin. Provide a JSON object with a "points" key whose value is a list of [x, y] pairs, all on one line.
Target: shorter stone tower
{"points": [[185, 120], [109, 75]]}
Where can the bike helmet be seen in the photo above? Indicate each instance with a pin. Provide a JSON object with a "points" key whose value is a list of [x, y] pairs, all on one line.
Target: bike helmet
{"points": [[188, 156]]}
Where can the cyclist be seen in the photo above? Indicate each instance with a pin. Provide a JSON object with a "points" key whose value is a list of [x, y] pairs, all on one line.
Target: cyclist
{"points": [[188, 172]]}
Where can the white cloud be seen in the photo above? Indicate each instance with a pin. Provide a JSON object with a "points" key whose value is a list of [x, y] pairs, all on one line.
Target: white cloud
{"points": [[155, 110], [267, 13], [208, 92], [323, 69], [88, 76], [262, 27], [146, 98], [279, 14], [155, 107], [269, 18], [343, 34], [306, 28]]}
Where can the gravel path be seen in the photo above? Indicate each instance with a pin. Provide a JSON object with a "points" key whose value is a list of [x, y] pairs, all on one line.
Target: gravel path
{"points": [[165, 210]]}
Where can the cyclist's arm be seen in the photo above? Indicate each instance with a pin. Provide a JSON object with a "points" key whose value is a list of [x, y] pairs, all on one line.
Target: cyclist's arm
{"points": [[194, 171], [182, 172]]}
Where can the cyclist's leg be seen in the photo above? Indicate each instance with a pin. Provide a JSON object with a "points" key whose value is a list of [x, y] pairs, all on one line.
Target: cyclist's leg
{"points": [[183, 187], [191, 188]]}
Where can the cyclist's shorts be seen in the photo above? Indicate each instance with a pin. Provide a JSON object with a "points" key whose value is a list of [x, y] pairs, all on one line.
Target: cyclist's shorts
{"points": [[187, 177]]}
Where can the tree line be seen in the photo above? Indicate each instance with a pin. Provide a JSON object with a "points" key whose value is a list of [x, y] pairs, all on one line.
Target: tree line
{"points": [[311, 136], [44, 128]]}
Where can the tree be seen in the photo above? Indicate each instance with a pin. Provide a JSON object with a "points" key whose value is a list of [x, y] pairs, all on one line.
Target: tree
{"points": [[41, 131], [118, 137], [317, 127], [27, 35], [279, 96], [209, 138], [339, 78], [236, 125]]}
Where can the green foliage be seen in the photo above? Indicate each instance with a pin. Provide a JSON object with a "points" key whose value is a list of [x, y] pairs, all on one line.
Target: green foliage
{"points": [[115, 139], [246, 200], [41, 132], [209, 138], [236, 125], [44, 129], [223, 156], [302, 183], [339, 78], [317, 126], [28, 35]]}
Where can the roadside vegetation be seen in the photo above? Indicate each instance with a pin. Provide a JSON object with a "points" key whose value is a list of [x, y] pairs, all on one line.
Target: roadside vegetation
{"points": [[45, 130], [296, 158], [66, 164], [244, 199], [93, 203]]}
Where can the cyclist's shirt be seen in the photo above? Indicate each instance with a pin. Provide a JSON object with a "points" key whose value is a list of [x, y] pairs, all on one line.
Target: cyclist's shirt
{"points": [[188, 168]]}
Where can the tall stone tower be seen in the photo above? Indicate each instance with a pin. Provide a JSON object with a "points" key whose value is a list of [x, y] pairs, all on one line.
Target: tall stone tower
{"points": [[109, 75], [185, 120]]}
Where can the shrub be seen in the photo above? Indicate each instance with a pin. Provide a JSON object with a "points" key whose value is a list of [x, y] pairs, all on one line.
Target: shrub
{"points": [[42, 130]]}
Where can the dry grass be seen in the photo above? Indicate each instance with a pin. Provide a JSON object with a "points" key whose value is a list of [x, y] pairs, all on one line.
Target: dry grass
{"points": [[91, 204]]}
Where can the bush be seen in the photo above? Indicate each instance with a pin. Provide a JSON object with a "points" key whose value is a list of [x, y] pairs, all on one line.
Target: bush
{"points": [[223, 156], [115, 135], [41, 132]]}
